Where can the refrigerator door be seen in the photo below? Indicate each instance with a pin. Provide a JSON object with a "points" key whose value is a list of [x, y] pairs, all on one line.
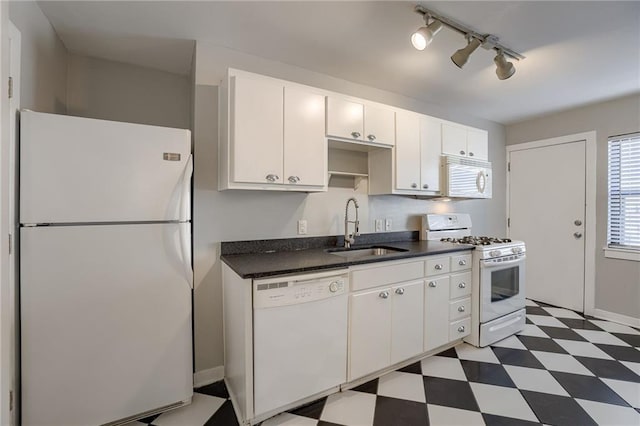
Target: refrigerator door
{"points": [[105, 322], [80, 170]]}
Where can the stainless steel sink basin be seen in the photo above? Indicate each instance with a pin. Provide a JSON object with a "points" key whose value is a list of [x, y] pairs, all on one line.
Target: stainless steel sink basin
{"points": [[359, 252]]}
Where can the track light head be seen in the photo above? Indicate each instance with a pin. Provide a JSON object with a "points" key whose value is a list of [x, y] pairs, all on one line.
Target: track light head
{"points": [[424, 36], [462, 55], [504, 68]]}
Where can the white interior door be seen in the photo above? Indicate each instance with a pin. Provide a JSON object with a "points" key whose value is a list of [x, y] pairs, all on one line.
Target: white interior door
{"points": [[547, 211]]}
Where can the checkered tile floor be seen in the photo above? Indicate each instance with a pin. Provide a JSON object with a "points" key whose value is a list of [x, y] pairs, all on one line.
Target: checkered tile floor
{"points": [[562, 369]]}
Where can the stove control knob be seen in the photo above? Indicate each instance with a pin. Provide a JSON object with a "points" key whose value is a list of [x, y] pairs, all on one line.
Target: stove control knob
{"points": [[494, 253], [333, 287], [516, 250]]}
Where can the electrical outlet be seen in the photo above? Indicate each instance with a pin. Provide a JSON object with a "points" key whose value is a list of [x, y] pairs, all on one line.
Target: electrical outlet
{"points": [[378, 225], [302, 227], [387, 224]]}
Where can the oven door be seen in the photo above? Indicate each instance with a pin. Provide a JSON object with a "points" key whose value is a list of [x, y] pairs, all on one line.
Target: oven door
{"points": [[502, 286]]}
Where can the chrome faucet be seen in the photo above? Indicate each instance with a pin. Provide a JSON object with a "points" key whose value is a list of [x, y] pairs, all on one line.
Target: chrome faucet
{"points": [[350, 238]]}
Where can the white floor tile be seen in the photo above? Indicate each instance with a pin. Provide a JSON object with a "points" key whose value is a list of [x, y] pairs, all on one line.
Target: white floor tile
{"points": [[471, 353], [633, 366], [402, 386], [287, 419], [561, 362], [502, 401], [610, 415], [532, 330], [545, 320], [613, 327], [202, 407], [534, 379], [446, 416], [563, 313], [350, 408], [528, 302], [442, 366], [510, 342], [604, 337], [629, 391], [582, 349]]}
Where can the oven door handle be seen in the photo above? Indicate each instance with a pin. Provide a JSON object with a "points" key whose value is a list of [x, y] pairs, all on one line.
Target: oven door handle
{"points": [[486, 264]]}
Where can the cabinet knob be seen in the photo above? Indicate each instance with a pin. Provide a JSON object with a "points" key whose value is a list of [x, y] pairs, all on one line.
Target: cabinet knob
{"points": [[371, 137], [425, 186], [461, 152], [355, 134], [460, 308], [462, 262], [438, 266], [462, 285], [470, 154], [294, 179], [432, 283], [272, 177], [461, 329], [400, 291], [384, 294], [577, 235], [414, 185]]}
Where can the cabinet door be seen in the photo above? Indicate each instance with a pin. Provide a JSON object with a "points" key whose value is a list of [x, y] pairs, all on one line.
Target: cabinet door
{"points": [[436, 312], [407, 151], [305, 146], [379, 124], [257, 130], [345, 119], [407, 320], [454, 139], [478, 144], [430, 151], [370, 332]]}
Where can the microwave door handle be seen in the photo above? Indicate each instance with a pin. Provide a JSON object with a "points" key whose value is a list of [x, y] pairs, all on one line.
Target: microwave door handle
{"points": [[481, 178]]}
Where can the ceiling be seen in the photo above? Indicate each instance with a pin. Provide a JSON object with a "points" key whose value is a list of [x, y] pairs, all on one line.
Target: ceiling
{"points": [[576, 52]]}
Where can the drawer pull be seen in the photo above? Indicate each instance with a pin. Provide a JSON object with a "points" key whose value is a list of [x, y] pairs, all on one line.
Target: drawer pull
{"points": [[438, 266], [460, 308], [462, 262], [461, 329], [400, 291], [432, 283], [384, 294], [462, 285]]}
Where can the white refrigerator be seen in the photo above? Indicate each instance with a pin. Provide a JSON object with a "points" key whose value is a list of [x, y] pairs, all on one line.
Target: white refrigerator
{"points": [[105, 270]]}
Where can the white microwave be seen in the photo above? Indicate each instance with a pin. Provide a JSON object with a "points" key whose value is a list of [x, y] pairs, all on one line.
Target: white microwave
{"points": [[466, 178]]}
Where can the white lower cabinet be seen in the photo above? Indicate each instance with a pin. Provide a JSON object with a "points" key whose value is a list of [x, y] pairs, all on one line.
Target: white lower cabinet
{"points": [[406, 320], [436, 312]]}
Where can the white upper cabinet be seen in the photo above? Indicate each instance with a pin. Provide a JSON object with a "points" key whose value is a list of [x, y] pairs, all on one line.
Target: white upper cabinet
{"points": [[359, 121], [430, 152], [465, 141], [407, 151]]}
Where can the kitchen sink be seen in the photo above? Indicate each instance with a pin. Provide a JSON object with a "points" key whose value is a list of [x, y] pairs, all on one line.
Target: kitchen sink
{"points": [[359, 252]]}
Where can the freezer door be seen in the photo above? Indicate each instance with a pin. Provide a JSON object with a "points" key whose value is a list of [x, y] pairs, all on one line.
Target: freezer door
{"points": [[79, 170], [105, 322]]}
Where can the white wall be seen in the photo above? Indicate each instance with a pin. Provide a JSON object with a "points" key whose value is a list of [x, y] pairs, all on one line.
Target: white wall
{"points": [[617, 281], [241, 215]]}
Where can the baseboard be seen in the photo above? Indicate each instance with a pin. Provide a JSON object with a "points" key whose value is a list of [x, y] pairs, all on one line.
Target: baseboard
{"points": [[208, 376], [619, 318]]}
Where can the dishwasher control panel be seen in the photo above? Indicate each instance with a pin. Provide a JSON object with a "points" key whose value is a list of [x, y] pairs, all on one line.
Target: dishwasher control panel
{"points": [[298, 289]]}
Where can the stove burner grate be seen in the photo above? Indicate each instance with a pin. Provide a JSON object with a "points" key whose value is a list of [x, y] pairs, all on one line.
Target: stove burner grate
{"points": [[477, 241]]}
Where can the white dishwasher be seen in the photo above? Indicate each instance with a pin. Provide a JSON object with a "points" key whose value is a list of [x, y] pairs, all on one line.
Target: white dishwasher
{"points": [[299, 337]]}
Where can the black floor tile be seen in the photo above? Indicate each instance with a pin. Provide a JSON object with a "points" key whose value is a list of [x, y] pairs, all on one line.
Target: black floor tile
{"points": [[546, 305], [528, 321], [541, 344], [608, 369], [579, 324], [621, 353], [218, 389], [562, 333], [493, 420], [557, 410], [369, 387], [399, 412], [632, 339], [225, 416], [415, 368], [313, 410], [517, 357], [150, 419], [323, 423], [587, 387], [449, 393], [488, 373], [536, 310], [451, 353]]}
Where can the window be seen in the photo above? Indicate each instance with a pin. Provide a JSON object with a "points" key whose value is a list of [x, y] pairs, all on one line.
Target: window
{"points": [[623, 226]]}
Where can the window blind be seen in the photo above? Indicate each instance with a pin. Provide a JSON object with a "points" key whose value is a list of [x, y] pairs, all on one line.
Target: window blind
{"points": [[623, 226]]}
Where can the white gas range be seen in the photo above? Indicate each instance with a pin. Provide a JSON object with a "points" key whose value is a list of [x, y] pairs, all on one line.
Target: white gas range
{"points": [[498, 284]]}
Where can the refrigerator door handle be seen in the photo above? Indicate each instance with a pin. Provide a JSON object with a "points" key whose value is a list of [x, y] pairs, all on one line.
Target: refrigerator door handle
{"points": [[185, 252], [185, 197]]}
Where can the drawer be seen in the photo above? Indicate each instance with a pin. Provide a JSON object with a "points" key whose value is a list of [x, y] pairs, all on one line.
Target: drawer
{"points": [[437, 265], [461, 262], [459, 329], [459, 309], [388, 274], [460, 285]]}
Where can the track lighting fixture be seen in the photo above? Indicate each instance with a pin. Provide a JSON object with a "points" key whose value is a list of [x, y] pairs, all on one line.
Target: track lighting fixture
{"points": [[424, 35]]}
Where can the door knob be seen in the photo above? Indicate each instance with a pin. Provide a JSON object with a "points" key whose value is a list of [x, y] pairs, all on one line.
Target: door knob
{"points": [[400, 291], [578, 235], [371, 137], [432, 283], [577, 222], [355, 134]]}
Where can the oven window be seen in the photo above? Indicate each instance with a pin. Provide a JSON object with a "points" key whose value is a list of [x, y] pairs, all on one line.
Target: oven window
{"points": [[504, 283]]}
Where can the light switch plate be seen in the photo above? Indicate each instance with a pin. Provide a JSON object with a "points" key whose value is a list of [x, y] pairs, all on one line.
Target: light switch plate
{"points": [[387, 224], [378, 225], [302, 227]]}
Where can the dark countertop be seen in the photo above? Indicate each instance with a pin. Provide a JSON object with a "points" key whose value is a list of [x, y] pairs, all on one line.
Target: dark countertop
{"points": [[265, 264]]}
